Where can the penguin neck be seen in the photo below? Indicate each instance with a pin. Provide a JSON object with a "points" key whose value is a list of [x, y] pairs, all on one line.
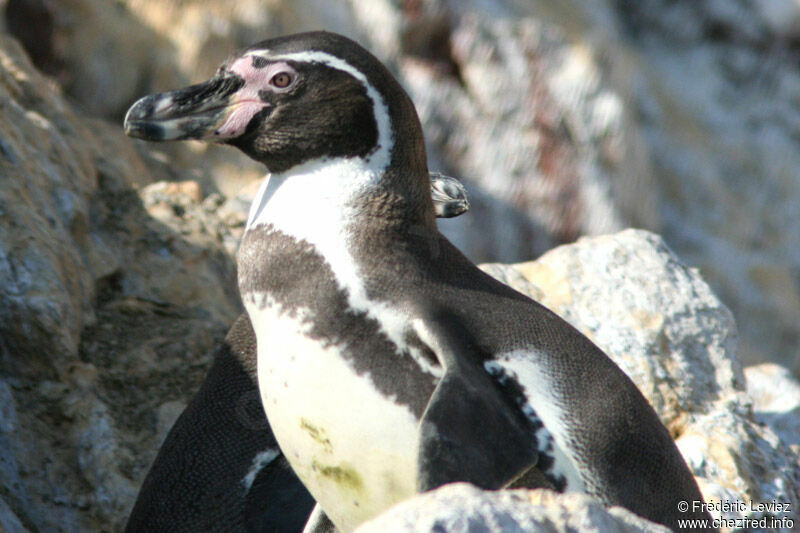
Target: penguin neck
{"points": [[340, 211], [321, 199]]}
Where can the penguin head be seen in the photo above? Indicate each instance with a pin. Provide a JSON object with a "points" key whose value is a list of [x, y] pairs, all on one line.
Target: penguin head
{"points": [[290, 100]]}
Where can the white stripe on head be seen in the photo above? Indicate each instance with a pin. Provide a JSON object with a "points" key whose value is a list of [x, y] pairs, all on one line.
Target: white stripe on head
{"points": [[381, 112]]}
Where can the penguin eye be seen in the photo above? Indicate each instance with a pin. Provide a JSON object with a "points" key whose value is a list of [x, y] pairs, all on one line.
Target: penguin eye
{"points": [[281, 80]]}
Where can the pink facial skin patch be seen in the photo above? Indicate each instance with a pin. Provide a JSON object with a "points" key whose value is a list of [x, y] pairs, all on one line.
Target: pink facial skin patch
{"points": [[238, 118], [246, 102]]}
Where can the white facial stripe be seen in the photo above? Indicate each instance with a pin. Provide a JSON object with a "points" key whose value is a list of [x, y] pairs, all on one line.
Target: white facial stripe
{"points": [[380, 110]]}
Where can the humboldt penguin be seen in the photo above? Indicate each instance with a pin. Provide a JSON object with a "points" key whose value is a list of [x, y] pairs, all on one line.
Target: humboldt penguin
{"points": [[388, 363]]}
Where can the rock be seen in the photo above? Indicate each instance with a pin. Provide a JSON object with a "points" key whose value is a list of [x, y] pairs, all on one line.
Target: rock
{"points": [[184, 262], [15, 494], [181, 207], [776, 400], [460, 507], [101, 53], [61, 237], [731, 207], [738, 461], [9, 521], [44, 205], [106, 312], [523, 113]]}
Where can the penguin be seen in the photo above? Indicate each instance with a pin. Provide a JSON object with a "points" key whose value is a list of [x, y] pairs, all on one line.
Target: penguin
{"points": [[220, 468], [388, 364]]}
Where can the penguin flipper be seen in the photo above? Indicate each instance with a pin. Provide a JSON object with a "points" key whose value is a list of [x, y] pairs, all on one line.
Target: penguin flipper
{"points": [[470, 431], [277, 501]]}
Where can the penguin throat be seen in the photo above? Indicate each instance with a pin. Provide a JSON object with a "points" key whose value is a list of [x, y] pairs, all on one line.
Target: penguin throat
{"points": [[314, 197]]}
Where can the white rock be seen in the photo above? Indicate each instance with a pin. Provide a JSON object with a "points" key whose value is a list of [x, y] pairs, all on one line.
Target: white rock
{"points": [[776, 400], [462, 508]]}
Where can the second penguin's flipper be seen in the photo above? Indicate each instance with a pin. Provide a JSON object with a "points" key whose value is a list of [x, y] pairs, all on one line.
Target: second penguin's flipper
{"points": [[219, 468], [469, 418], [288, 500]]}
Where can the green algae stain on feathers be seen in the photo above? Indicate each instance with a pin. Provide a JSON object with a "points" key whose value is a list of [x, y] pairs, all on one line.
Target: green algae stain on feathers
{"points": [[343, 475], [317, 434]]}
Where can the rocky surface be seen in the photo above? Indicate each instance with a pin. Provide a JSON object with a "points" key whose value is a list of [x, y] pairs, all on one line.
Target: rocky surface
{"points": [[111, 294], [776, 401], [718, 108], [565, 119], [461, 508]]}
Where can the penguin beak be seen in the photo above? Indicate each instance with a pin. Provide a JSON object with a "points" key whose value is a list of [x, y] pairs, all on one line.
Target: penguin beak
{"points": [[197, 112]]}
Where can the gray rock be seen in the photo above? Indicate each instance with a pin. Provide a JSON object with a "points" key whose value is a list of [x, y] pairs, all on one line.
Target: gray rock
{"points": [[8, 520], [718, 106], [106, 311], [776, 400], [44, 203], [101, 53], [510, 104], [462, 508]]}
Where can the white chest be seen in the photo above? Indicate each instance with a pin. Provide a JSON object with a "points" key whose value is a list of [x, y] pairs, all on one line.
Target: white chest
{"points": [[354, 448]]}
